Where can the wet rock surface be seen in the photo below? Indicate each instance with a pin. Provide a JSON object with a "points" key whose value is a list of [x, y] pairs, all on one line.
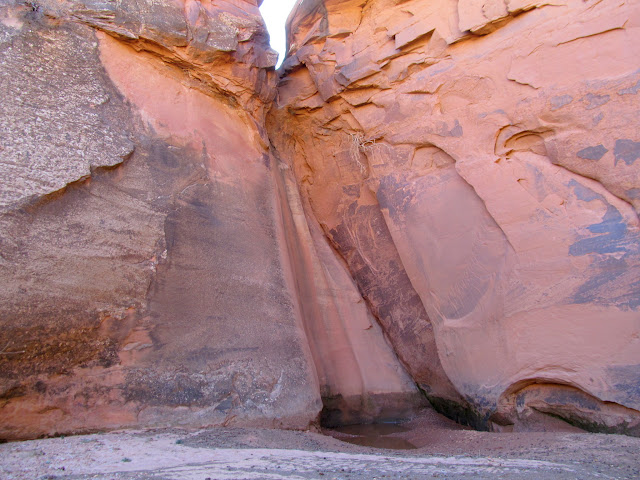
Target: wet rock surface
{"points": [[377, 435]]}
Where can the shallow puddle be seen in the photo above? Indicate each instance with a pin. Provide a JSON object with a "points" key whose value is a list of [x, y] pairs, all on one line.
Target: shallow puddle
{"points": [[376, 435]]}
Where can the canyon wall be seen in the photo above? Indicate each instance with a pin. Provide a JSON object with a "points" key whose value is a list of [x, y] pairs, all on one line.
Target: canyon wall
{"points": [[146, 240], [475, 166], [430, 200]]}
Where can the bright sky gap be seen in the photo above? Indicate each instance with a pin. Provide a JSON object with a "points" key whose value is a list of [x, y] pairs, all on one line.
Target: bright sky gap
{"points": [[275, 13]]}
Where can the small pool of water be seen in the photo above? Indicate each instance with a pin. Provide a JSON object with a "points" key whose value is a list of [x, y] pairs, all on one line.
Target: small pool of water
{"points": [[376, 435]]}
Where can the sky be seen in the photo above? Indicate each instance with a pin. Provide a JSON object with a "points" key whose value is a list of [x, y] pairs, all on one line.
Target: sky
{"points": [[275, 13]]}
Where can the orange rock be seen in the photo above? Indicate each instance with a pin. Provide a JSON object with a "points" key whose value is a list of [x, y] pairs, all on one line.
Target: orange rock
{"points": [[475, 167], [156, 264], [444, 193], [144, 279]]}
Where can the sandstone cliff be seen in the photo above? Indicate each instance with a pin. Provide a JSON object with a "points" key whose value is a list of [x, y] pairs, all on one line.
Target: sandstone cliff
{"points": [[143, 275], [437, 196], [474, 164], [153, 271]]}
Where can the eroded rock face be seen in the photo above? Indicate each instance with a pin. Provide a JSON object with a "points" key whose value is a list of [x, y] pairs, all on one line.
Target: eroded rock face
{"points": [[141, 230], [155, 264], [444, 194], [360, 377], [475, 165]]}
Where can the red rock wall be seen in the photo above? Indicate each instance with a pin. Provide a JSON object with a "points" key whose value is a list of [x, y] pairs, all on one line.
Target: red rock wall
{"points": [[361, 379], [155, 266], [444, 193], [475, 165], [144, 279]]}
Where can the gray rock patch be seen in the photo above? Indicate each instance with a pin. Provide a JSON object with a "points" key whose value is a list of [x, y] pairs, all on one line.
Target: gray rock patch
{"points": [[595, 101], [626, 150], [560, 101], [592, 153]]}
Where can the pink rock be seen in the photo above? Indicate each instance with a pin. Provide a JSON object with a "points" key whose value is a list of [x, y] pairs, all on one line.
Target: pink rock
{"points": [[438, 199], [144, 279], [498, 176]]}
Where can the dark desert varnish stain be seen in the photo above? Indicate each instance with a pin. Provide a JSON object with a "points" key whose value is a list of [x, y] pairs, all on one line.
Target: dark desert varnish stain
{"points": [[376, 435]]}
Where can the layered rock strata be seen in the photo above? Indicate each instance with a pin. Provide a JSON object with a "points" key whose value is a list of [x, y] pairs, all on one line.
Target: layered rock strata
{"points": [[475, 165]]}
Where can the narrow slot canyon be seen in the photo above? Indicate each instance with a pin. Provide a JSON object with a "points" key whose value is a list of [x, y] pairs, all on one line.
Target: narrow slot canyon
{"points": [[417, 235]]}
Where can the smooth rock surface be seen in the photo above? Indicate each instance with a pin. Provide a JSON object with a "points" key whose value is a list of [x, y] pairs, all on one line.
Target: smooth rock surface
{"points": [[155, 264], [143, 274], [475, 165], [361, 379]]}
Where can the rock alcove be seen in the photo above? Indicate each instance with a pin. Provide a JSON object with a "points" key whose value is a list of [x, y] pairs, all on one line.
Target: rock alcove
{"points": [[429, 204]]}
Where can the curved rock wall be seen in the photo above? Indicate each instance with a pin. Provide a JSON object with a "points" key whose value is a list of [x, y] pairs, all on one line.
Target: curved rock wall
{"points": [[443, 197], [141, 234], [360, 377], [475, 165], [155, 265]]}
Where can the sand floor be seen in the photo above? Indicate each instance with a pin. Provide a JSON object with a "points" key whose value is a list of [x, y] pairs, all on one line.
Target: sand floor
{"points": [[443, 450]]}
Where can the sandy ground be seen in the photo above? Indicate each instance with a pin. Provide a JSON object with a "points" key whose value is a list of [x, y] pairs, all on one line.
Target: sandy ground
{"points": [[444, 450]]}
